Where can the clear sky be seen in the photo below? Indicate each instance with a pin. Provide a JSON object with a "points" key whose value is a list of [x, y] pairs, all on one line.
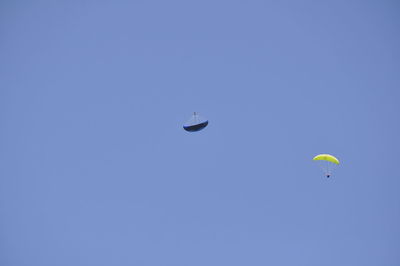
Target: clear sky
{"points": [[95, 168]]}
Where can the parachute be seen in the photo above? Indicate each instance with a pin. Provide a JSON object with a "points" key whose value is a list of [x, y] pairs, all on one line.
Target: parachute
{"points": [[327, 163], [195, 123]]}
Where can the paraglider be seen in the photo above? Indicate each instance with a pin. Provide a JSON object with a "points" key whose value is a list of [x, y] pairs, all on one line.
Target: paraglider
{"points": [[195, 123], [327, 162]]}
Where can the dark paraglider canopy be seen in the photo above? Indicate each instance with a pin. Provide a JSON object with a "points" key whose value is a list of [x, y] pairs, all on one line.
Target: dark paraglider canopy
{"points": [[195, 123]]}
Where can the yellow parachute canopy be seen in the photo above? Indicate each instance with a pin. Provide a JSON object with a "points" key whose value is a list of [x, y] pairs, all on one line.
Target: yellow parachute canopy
{"points": [[326, 157]]}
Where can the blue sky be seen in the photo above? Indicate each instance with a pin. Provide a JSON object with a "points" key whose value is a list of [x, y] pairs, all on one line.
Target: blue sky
{"points": [[95, 168]]}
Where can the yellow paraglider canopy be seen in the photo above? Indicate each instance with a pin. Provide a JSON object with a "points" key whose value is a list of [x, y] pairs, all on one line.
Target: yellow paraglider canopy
{"points": [[326, 157]]}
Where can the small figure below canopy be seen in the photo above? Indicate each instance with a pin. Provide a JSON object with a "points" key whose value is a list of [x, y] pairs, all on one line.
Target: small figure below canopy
{"points": [[195, 123]]}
